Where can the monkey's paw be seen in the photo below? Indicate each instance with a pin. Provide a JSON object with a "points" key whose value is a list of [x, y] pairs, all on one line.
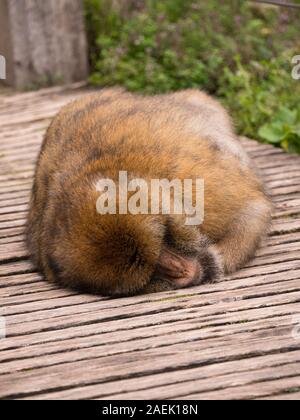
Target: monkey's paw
{"points": [[176, 271]]}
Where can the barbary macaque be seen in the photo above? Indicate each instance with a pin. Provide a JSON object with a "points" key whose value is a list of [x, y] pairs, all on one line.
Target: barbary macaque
{"points": [[181, 136]]}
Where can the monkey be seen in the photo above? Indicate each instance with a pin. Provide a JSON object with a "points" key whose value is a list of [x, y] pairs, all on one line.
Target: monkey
{"points": [[181, 135]]}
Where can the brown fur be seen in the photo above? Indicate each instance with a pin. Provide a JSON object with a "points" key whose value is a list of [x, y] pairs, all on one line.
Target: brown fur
{"points": [[181, 135]]}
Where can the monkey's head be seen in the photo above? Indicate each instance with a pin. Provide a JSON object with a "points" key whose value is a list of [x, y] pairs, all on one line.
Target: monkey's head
{"points": [[120, 255]]}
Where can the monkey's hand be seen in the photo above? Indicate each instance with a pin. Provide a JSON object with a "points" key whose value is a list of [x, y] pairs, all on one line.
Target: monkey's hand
{"points": [[175, 270], [178, 270]]}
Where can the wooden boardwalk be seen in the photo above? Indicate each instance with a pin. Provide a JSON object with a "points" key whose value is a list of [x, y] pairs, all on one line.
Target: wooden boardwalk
{"points": [[239, 339]]}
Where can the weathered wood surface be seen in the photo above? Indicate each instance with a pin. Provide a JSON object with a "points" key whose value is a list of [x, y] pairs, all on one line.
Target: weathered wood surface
{"points": [[236, 339], [44, 42]]}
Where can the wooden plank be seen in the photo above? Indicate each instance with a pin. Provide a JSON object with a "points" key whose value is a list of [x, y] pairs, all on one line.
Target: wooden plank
{"points": [[232, 386], [237, 334], [34, 307], [13, 216], [76, 337], [205, 339], [13, 251], [250, 392], [291, 395], [174, 357], [19, 280], [12, 224], [16, 268], [147, 312], [11, 232], [285, 226], [12, 239], [15, 194], [147, 383], [42, 94]]}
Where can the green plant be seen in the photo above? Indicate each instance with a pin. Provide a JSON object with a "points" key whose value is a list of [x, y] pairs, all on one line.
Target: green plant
{"points": [[284, 130], [233, 49]]}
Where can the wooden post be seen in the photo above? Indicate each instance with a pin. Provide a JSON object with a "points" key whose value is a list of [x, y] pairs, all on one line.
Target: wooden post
{"points": [[43, 42]]}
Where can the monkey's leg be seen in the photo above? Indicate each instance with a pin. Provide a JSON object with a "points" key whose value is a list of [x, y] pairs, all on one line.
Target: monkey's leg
{"points": [[245, 235]]}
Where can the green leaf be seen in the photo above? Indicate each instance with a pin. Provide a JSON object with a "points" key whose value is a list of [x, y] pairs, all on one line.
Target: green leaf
{"points": [[273, 133], [287, 116]]}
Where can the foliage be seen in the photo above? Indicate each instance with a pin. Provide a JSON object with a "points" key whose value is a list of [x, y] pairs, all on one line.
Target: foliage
{"points": [[233, 49], [283, 130]]}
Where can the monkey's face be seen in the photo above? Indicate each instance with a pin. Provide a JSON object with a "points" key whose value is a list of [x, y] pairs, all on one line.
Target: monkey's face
{"points": [[121, 255]]}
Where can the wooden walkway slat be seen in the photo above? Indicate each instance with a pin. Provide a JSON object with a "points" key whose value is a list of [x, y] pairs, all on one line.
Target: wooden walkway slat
{"points": [[238, 339]]}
